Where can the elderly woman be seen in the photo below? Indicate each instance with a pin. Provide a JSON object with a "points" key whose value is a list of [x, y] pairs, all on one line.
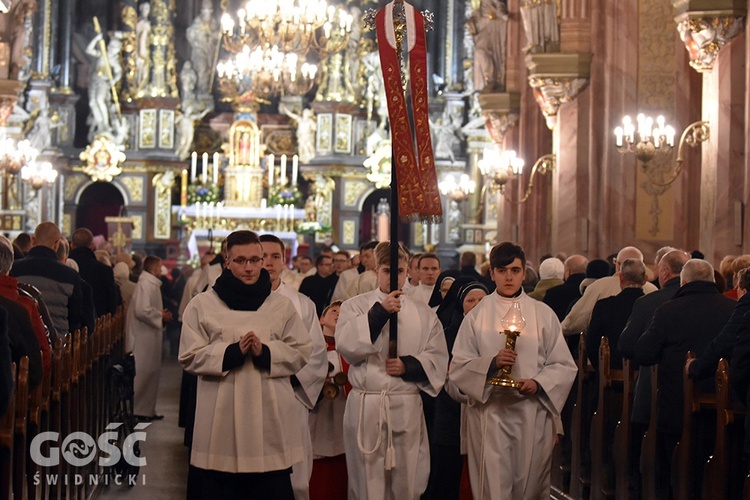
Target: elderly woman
{"points": [[122, 278]]}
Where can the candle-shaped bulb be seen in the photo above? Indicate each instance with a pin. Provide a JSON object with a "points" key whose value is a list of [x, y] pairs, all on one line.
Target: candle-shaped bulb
{"points": [[618, 136]]}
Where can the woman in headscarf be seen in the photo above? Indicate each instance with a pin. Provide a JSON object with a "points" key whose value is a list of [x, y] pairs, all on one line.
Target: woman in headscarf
{"points": [[446, 461]]}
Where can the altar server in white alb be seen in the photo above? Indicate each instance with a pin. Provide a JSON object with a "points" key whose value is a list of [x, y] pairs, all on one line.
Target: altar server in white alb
{"points": [[308, 382], [511, 432], [244, 343], [385, 436]]}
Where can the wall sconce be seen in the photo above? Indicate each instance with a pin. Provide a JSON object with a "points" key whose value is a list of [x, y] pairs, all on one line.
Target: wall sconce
{"points": [[498, 168], [457, 191], [648, 138]]}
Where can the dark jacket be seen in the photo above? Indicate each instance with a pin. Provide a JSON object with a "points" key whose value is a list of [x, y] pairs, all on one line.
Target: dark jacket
{"points": [[59, 284], [723, 344], [688, 322], [100, 277], [23, 341], [319, 289], [607, 320], [6, 372], [638, 323], [559, 297], [739, 372]]}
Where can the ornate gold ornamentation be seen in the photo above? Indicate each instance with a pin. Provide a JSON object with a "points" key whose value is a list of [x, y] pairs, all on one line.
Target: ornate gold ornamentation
{"points": [[162, 205], [552, 92], [134, 185], [102, 159], [343, 134], [280, 141], [166, 128], [352, 192], [325, 132], [705, 36], [137, 227], [498, 123], [147, 136], [67, 223], [349, 230], [72, 182], [129, 19]]}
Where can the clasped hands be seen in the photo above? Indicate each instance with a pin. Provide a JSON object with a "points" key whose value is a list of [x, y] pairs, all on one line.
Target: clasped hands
{"points": [[251, 343], [507, 357]]}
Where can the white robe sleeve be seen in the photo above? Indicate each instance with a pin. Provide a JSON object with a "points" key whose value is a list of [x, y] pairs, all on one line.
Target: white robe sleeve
{"points": [[291, 351], [559, 369], [143, 306], [470, 367], [433, 358], [200, 354], [313, 374], [352, 334]]}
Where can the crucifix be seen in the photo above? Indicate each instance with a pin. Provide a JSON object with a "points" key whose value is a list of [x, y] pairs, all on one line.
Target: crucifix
{"points": [[402, 46]]}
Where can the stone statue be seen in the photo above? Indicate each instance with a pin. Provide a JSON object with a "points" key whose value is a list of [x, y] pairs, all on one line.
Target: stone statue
{"points": [[489, 26], [143, 48], [203, 37], [192, 111], [100, 86], [375, 99], [188, 81], [445, 137], [306, 128], [541, 25], [40, 135]]}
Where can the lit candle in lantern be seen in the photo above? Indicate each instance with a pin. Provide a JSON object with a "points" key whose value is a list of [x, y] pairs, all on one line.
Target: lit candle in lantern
{"points": [[270, 170], [217, 163], [193, 166], [184, 188], [295, 168], [204, 174], [282, 177]]}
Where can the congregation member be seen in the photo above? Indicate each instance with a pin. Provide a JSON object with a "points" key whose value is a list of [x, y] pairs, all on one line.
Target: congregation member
{"points": [[6, 368], [60, 286], [346, 273], [688, 322], [579, 316], [412, 274], [244, 343], [387, 450], [144, 326], [510, 432], [308, 382], [319, 287], [367, 280], [99, 276], [561, 296], [329, 477], [551, 273], [429, 271]]}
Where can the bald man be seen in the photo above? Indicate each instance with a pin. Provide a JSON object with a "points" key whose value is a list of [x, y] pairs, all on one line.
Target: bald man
{"points": [[560, 297], [579, 316], [59, 284]]}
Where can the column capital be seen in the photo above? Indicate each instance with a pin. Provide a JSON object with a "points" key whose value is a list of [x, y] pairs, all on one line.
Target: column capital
{"points": [[557, 79]]}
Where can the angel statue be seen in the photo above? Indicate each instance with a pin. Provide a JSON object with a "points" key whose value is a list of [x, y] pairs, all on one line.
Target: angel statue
{"points": [[306, 128]]}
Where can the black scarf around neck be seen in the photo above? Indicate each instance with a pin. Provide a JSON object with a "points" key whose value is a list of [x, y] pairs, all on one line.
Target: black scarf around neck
{"points": [[239, 296]]}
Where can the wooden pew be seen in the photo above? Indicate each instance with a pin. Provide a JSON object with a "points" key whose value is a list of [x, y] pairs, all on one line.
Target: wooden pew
{"points": [[623, 460], [601, 424], [579, 438], [7, 426], [32, 429], [19, 426], [721, 477], [55, 408], [649, 463]]}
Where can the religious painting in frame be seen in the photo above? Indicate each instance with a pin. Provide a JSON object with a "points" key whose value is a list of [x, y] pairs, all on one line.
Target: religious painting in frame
{"points": [[166, 128], [343, 142], [325, 133], [147, 135], [478, 236], [470, 236]]}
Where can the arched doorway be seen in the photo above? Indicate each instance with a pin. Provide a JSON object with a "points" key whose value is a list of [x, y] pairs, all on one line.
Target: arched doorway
{"points": [[99, 200], [368, 225]]}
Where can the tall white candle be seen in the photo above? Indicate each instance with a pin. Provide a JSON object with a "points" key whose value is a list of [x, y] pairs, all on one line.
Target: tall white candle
{"points": [[270, 170], [193, 166], [263, 203], [278, 217], [217, 163], [204, 174], [282, 177], [295, 168]]}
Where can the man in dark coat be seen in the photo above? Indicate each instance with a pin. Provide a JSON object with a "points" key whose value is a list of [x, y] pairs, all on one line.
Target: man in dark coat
{"points": [[319, 287], [98, 275], [560, 296], [688, 322]]}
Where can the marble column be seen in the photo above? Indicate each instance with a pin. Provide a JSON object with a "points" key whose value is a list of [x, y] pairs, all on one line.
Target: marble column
{"points": [[65, 40]]}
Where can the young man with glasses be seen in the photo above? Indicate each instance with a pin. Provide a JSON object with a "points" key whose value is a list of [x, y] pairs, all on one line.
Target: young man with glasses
{"points": [[244, 343]]}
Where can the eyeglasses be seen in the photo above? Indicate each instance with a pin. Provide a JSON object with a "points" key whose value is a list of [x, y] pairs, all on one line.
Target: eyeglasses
{"points": [[242, 261], [340, 261]]}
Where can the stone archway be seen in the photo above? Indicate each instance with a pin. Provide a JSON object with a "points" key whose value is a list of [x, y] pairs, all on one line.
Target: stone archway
{"points": [[97, 201]]}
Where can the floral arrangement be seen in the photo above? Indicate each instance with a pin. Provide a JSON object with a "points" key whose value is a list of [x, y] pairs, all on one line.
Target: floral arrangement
{"points": [[198, 193], [286, 195], [313, 227]]}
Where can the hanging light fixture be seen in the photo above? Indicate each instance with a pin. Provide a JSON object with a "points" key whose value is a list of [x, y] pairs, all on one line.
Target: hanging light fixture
{"points": [[457, 191], [16, 155], [39, 174]]}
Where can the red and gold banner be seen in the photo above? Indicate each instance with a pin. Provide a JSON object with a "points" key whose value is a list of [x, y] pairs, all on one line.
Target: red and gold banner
{"points": [[418, 194]]}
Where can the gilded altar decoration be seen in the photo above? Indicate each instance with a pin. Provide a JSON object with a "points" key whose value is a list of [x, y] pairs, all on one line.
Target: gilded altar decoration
{"points": [[134, 185], [166, 128], [343, 134], [103, 159], [550, 93], [243, 176], [352, 191], [147, 136], [325, 132], [349, 232], [244, 144], [705, 36]]}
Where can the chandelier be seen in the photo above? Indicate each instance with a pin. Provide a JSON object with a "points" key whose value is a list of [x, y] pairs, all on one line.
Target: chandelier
{"points": [[14, 156], [457, 191], [292, 26], [264, 73], [39, 174], [498, 168], [649, 138]]}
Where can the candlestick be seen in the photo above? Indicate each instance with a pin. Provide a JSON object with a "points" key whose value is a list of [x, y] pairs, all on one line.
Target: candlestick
{"points": [[270, 170], [282, 177], [204, 174], [217, 163], [278, 217], [184, 188], [193, 166], [295, 168]]}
